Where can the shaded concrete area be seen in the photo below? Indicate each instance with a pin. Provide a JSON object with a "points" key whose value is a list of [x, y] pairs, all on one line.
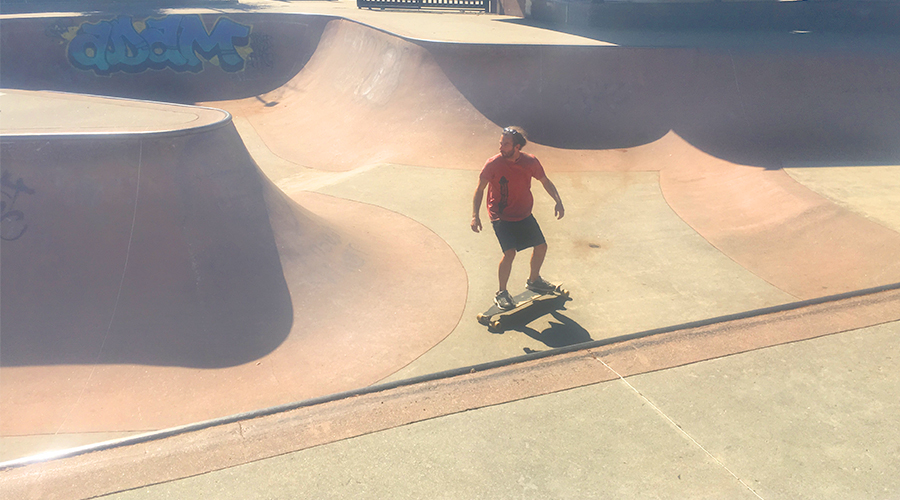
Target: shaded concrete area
{"points": [[105, 275], [160, 79], [849, 16]]}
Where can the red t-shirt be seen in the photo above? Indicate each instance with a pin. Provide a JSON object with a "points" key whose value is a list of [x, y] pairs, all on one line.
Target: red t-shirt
{"points": [[509, 186]]}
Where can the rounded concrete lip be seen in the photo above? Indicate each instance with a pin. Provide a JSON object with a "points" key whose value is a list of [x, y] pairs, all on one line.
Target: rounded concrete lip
{"points": [[29, 113]]}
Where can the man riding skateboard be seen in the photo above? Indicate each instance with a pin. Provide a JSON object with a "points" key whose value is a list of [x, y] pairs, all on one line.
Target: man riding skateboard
{"points": [[507, 176]]}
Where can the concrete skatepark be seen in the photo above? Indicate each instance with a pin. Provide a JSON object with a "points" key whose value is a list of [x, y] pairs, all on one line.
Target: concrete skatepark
{"points": [[266, 287]]}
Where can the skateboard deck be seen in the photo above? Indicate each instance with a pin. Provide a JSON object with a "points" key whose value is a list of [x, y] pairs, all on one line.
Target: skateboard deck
{"points": [[496, 319]]}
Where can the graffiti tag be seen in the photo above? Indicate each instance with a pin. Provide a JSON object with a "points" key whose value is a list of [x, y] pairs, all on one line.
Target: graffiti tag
{"points": [[177, 42], [12, 222]]}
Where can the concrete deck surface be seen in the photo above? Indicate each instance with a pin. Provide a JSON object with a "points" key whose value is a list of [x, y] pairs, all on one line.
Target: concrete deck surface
{"points": [[807, 420], [48, 113], [786, 401]]}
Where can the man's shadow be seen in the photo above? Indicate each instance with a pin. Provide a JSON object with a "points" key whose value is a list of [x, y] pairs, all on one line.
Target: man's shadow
{"points": [[561, 333]]}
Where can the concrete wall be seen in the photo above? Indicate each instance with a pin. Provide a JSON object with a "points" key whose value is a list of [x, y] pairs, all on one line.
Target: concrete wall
{"points": [[49, 54], [830, 15]]}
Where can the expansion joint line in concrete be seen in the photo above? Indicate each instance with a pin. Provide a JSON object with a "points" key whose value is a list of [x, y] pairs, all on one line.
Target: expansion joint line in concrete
{"points": [[676, 425], [115, 308]]}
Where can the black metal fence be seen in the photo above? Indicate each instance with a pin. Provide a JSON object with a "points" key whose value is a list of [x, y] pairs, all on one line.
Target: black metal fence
{"points": [[483, 5]]}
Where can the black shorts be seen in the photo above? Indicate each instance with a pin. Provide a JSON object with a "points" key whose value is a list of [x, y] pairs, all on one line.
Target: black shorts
{"points": [[519, 235]]}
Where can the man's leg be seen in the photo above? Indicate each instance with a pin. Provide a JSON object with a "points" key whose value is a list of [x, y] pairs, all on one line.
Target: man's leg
{"points": [[537, 260], [506, 267]]}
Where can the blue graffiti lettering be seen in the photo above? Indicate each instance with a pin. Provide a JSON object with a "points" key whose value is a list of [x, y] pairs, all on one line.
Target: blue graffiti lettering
{"points": [[177, 42], [126, 49], [194, 38], [88, 48], [162, 37]]}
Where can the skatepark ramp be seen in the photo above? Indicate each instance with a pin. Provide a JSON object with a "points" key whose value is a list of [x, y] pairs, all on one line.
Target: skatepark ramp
{"points": [[138, 247]]}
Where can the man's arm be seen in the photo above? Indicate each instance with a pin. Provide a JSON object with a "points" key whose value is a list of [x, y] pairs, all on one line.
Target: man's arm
{"points": [[476, 204], [559, 210]]}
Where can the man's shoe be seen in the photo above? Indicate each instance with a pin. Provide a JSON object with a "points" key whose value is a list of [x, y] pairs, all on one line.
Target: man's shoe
{"points": [[504, 301], [540, 286]]}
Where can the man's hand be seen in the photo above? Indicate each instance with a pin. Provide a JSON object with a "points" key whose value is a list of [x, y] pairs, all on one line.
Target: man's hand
{"points": [[476, 204], [559, 211]]}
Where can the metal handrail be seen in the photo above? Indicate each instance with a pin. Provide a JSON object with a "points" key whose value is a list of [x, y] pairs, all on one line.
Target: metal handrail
{"points": [[483, 5]]}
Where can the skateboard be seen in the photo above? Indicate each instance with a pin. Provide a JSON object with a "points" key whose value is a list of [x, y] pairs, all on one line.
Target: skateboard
{"points": [[496, 319]]}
